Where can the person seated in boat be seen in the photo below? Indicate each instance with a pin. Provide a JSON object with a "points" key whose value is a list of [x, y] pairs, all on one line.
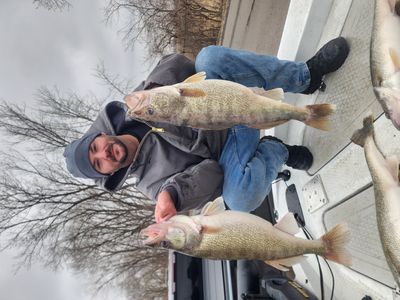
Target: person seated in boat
{"points": [[181, 168]]}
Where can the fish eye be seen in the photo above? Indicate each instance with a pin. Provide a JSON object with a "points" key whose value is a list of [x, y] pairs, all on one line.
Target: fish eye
{"points": [[150, 111], [164, 244]]}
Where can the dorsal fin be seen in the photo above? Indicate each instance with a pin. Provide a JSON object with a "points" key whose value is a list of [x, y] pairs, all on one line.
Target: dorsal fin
{"points": [[288, 224], [187, 220], [212, 208], [395, 58], [274, 94], [200, 76], [190, 92]]}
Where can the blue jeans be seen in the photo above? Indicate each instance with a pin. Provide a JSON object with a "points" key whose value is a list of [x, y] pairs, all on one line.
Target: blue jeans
{"points": [[252, 69], [249, 165]]}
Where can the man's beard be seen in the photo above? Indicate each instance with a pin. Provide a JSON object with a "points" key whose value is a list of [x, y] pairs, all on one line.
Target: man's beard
{"points": [[123, 146]]}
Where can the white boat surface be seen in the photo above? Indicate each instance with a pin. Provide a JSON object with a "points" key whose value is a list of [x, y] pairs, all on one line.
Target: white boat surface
{"points": [[338, 187]]}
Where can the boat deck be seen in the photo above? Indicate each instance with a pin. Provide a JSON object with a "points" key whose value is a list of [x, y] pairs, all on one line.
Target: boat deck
{"points": [[338, 187]]}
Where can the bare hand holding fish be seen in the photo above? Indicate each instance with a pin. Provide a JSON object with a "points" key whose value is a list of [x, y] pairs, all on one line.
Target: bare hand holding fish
{"points": [[218, 104], [219, 234]]}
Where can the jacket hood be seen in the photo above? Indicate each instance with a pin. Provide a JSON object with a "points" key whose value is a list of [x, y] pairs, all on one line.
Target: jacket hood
{"points": [[111, 120]]}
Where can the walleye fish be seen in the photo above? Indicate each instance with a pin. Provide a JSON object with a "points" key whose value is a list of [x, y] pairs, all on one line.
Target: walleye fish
{"points": [[219, 104], [385, 178], [385, 58], [230, 235]]}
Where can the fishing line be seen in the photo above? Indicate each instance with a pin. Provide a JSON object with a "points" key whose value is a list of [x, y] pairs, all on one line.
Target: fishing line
{"points": [[329, 267], [321, 276], [333, 278]]}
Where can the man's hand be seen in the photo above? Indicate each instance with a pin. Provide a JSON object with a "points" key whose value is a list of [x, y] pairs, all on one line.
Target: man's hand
{"points": [[165, 207]]}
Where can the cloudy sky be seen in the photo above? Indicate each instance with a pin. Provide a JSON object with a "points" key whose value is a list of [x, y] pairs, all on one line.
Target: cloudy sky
{"points": [[42, 48]]}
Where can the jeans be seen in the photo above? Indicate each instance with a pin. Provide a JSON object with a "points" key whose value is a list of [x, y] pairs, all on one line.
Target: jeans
{"points": [[252, 69], [249, 165]]}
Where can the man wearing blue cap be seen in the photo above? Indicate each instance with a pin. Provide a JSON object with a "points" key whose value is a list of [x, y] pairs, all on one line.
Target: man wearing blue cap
{"points": [[182, 168]]}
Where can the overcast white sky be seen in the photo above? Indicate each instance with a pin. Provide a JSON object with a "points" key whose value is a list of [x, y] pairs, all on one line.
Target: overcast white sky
{"points": [[39, 48]]}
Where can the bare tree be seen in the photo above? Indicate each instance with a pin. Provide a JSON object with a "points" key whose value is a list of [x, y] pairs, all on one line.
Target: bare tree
{"points": [[163, 24], [153, 20], [52, 4], [56, 219]]}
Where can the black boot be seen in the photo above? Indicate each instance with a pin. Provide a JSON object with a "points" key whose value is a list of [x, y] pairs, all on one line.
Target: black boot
{"points": [[300, 157], [328, 59]]}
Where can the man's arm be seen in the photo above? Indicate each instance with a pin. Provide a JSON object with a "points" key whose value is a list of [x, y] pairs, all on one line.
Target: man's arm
{"points": [[171, 69], [189, 189]]}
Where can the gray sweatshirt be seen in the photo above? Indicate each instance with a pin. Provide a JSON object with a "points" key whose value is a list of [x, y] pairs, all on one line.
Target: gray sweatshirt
{"points": [[169, 157]]}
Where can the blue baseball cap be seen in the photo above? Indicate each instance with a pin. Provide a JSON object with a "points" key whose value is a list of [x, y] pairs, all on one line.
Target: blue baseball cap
{"points": [[77, 157]]}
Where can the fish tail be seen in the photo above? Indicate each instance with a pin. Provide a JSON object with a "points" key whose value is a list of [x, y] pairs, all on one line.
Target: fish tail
{"points": [[397, 7], [359, 136], [334, 242], [318, 115]]}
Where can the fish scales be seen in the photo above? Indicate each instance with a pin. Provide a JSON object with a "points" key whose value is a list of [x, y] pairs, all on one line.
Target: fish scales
{"points": [[250, 240], [219, 234], [384, 173], [230, 101], [218, 104], [384, 36], [387, 207], [385, 58]]}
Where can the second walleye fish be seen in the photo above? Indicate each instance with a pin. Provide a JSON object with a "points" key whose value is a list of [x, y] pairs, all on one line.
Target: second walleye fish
{"points": [[218, 104], [385, 177], [385, 58], [217, 233]]}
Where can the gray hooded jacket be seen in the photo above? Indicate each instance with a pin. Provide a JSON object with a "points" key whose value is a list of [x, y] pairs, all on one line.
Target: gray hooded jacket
{"points": [[168, 156]]}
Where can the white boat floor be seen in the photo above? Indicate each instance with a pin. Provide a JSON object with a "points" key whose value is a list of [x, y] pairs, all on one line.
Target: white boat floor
{"points": [[349, 88], [338, 187], [345, 183]]}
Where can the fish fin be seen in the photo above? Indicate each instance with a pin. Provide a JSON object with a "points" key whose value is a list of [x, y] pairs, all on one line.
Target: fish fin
{"points": [[393, 6], [335, 241], [274, 94], [393, 166], [210, 229], [318, 115], [192, 212], [186, 219], [200, 76], [214, 207], [268, 125], [190, 92], [283, 264], [360, 135], [395, 58], [288, 224]]}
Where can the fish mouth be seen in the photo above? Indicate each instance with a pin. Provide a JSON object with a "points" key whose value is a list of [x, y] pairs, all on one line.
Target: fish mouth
{"points": [[154, 234], [137, 101]]}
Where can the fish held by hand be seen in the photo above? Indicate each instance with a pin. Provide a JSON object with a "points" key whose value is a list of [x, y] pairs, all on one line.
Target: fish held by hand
{"points": [[217, 233], [219, 104]]}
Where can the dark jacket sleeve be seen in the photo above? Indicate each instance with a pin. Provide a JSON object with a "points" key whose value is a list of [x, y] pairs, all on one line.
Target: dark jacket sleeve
{"points": [[196, 185], [171, 69]]}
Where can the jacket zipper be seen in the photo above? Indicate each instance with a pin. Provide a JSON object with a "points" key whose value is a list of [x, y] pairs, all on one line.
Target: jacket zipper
{"points": [[152, 129]]}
